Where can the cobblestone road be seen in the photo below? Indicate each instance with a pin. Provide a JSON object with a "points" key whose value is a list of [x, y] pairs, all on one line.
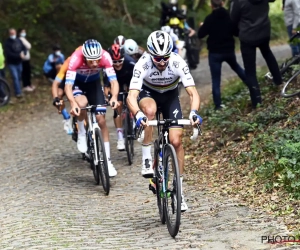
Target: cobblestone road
{"points": [[49, 200]]}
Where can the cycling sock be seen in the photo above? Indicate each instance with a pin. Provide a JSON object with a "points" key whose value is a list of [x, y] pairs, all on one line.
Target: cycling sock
{"points": [[181, 181], [120, 133], [81, 128], [146, 149], [107, 150]]}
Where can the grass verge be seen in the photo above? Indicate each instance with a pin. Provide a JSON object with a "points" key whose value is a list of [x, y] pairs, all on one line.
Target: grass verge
{"points": [[250, 155]]}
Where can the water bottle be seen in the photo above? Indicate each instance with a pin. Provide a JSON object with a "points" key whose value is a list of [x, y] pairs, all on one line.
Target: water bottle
{"points": [[65, 114]]}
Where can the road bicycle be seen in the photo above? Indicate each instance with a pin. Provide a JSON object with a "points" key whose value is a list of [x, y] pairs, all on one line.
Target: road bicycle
{"points": [[95, 154], [166, 177], [287, 68], [4, 92], [128, 128]]}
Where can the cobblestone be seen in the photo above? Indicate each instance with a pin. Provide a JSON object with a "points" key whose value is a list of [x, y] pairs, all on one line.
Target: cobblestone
{"points": [[49, 200]]}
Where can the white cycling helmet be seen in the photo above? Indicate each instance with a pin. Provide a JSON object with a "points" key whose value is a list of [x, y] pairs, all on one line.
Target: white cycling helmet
{"points": [[92, 49], [166, 29], [131, 47], [120, 40], [159, 43]]}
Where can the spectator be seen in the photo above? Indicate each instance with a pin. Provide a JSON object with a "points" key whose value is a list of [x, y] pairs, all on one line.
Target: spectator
{"points": [[53, 63], [26, 72], [2, 74], [15, 51], [292, 21], [220, 44], [251, 17], [2, 62]]}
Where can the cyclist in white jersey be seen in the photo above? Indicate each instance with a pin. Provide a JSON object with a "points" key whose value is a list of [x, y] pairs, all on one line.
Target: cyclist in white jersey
{"points": [[155, 84]]}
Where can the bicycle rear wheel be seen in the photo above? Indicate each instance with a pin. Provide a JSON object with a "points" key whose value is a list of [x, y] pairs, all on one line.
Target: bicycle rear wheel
{"points": [[4, 92], [172, 197], [158, 183], [102, 166], [289, 68], [128, 134], [292, 86]]}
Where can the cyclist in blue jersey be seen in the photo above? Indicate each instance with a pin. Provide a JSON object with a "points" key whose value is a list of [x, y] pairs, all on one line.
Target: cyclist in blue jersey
{"points": [[123, 65]]}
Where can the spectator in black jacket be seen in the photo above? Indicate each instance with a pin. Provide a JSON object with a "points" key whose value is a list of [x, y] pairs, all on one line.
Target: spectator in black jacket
{"points": [[251, 17], [14, 51], [220, 44]]}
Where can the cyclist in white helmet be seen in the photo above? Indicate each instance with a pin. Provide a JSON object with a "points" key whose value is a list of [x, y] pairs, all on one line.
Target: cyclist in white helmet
{"points": [[120, 40], [133, 49], [83, 86], [155, 84]]}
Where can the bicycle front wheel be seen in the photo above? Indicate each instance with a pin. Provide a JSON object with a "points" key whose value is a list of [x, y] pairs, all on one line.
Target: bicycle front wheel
{"points": [[172, 198], [158, 183], [102, 166], [128, 134], [4, 92], [292, 86]]}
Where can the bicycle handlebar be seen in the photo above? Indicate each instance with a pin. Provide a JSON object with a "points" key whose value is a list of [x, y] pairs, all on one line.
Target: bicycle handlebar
{"points": [[196, 131], [95, 106], [294, 36]]}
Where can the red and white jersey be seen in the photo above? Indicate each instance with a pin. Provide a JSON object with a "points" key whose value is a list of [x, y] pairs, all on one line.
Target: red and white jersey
{"points": [[80, 71]]}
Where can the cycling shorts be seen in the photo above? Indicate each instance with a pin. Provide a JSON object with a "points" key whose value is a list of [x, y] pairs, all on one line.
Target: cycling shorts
{"points": [[92, 90], [168, 102]]}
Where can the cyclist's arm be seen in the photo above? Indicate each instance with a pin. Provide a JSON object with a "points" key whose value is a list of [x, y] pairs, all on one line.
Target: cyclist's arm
{"points": [[111, 75], [135, 86], [59, 77], [75, 62], [194, 97], [132, 101], [70, 78], [55, 85], [189, 84]]}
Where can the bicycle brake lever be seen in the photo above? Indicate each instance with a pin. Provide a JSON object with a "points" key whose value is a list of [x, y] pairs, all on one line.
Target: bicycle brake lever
{"points": [[141, 128]]}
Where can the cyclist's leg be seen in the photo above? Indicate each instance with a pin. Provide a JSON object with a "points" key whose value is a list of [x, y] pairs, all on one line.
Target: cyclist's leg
{"points": [[82, 102], [148, 106], [171, 109], [67, 118], [95, 96], [118, 123]]}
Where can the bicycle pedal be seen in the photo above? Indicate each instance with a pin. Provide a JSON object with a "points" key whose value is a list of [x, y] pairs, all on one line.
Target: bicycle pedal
{"points": [[152, 189]]}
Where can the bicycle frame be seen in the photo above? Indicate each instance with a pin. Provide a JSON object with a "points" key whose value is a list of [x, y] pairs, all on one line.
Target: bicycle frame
{"points": [[92, 125]]}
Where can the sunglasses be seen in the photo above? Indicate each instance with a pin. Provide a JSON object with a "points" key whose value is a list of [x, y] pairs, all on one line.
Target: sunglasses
{"points": [[158, 59], [118, 61]]}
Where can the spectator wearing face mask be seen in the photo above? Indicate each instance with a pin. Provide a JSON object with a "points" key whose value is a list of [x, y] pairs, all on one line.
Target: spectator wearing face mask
{"points": [[53, 63], [26, 72], [15, 51]]}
